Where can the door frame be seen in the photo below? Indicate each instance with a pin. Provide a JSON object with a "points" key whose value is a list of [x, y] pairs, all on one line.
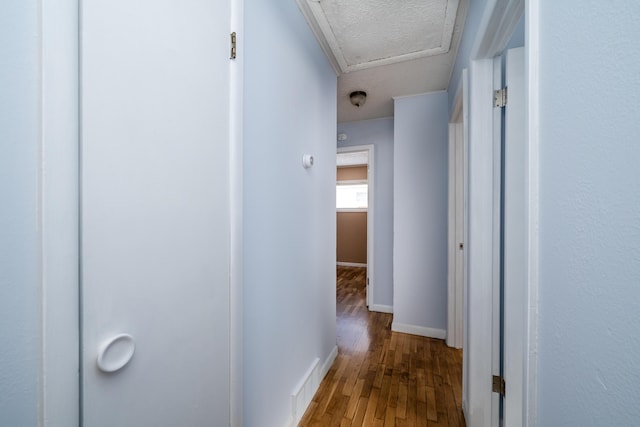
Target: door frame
{"points": [[456, 288], [531, 209], [369, 148], [59, 200], [515, 239], [496, 27], [236, 196]]}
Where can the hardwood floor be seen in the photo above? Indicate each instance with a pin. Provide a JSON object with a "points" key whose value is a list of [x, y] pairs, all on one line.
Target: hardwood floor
{"points": [[384, 378]]}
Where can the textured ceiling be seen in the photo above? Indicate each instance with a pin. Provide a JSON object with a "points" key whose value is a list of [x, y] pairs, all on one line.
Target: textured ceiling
{"points": [[369, 33], [387, 48]]}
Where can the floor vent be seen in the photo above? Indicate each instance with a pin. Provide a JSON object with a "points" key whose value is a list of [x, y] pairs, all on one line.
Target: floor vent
{"points": [[304, 392]]}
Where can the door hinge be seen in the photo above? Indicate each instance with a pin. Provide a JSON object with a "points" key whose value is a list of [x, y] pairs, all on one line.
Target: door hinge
{"points": [[498, 385], [500, 97], [233, 46]]}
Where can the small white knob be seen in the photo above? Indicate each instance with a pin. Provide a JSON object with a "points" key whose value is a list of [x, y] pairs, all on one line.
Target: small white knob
{"points": [[115, 353], [307, 161]]}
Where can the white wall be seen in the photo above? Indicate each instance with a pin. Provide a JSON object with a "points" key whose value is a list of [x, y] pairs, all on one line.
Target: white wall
{"points": [[589, 265], [289, 213], [378, 132], [20, 291], [420, 214]]}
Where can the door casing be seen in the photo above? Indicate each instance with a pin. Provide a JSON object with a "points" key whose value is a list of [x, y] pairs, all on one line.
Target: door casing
{"points": [[498, 22], [369, 148], [457, 214]]}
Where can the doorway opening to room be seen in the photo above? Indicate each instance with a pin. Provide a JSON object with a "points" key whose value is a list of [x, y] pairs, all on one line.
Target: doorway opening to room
{"points": [[354, 219]]}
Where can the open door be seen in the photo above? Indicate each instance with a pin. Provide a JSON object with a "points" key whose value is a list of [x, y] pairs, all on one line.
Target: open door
{"points": [[155, 213], [509, 288], [515, 237], [457, 208]]}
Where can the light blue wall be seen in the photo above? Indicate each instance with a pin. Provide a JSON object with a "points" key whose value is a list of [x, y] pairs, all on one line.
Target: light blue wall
{"points": [[289, 212], [589, 325], [19, 220], [420, 212], [378, 132]]}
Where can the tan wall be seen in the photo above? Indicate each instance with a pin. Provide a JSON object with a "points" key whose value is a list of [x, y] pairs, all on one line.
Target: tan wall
{"points": [[351, 173], [352, 226], [352, 237]]}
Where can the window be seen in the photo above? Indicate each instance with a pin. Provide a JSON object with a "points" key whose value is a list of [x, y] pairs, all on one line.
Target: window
{"points": [[352, 195]]}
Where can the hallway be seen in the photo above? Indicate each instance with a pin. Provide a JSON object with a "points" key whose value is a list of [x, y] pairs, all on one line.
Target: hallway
{"points": [[384, 378]]}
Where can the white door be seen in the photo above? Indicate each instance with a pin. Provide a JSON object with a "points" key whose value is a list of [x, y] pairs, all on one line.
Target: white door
{"points": [[456, 229], [509, 290], [155, 212], [496, 314], [515, 237]]}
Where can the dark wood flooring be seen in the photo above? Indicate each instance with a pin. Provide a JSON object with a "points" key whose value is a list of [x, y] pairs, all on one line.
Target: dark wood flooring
{"points": [[384, 378]]}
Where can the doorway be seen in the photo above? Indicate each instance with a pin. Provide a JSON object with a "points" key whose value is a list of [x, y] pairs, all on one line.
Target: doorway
{"points": [[354, 210]]}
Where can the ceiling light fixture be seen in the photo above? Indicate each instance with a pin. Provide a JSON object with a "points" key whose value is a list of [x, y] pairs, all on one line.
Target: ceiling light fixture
{"points": [[358, 98]]}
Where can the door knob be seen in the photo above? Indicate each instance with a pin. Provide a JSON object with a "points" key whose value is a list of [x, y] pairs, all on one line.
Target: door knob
{"points": [[115, 353]]}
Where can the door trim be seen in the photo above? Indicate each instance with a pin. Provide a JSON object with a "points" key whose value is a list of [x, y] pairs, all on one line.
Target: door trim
{"points": [[531, 208], [59, 200], [236, 171], [455, 287], [480, 250], [370, 218], [499, 19], [515, 237]]}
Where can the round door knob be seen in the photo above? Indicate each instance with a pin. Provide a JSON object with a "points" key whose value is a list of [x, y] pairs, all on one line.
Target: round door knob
{"points": [[115, 353]]}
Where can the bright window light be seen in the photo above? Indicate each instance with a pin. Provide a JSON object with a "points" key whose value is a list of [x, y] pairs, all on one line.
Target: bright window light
{"points": [[352, 196]]}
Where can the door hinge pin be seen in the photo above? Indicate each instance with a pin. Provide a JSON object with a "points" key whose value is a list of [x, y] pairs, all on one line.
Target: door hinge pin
{"points": [[233, 46], [498, 385], [500, 98]]}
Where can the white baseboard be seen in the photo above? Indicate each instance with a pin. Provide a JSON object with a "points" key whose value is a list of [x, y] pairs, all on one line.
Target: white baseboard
{"points": [[465, 410], [419, 330], [381, 308], [307, 387], [350, 264], [328, 362]]}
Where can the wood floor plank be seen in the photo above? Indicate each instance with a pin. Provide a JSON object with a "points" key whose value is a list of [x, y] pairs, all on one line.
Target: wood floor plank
{"points": [[401, 408], [360, 411], [390, 417], [384, 396], [384, 378], [353, 400], [370, 413], [432, 413]]}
